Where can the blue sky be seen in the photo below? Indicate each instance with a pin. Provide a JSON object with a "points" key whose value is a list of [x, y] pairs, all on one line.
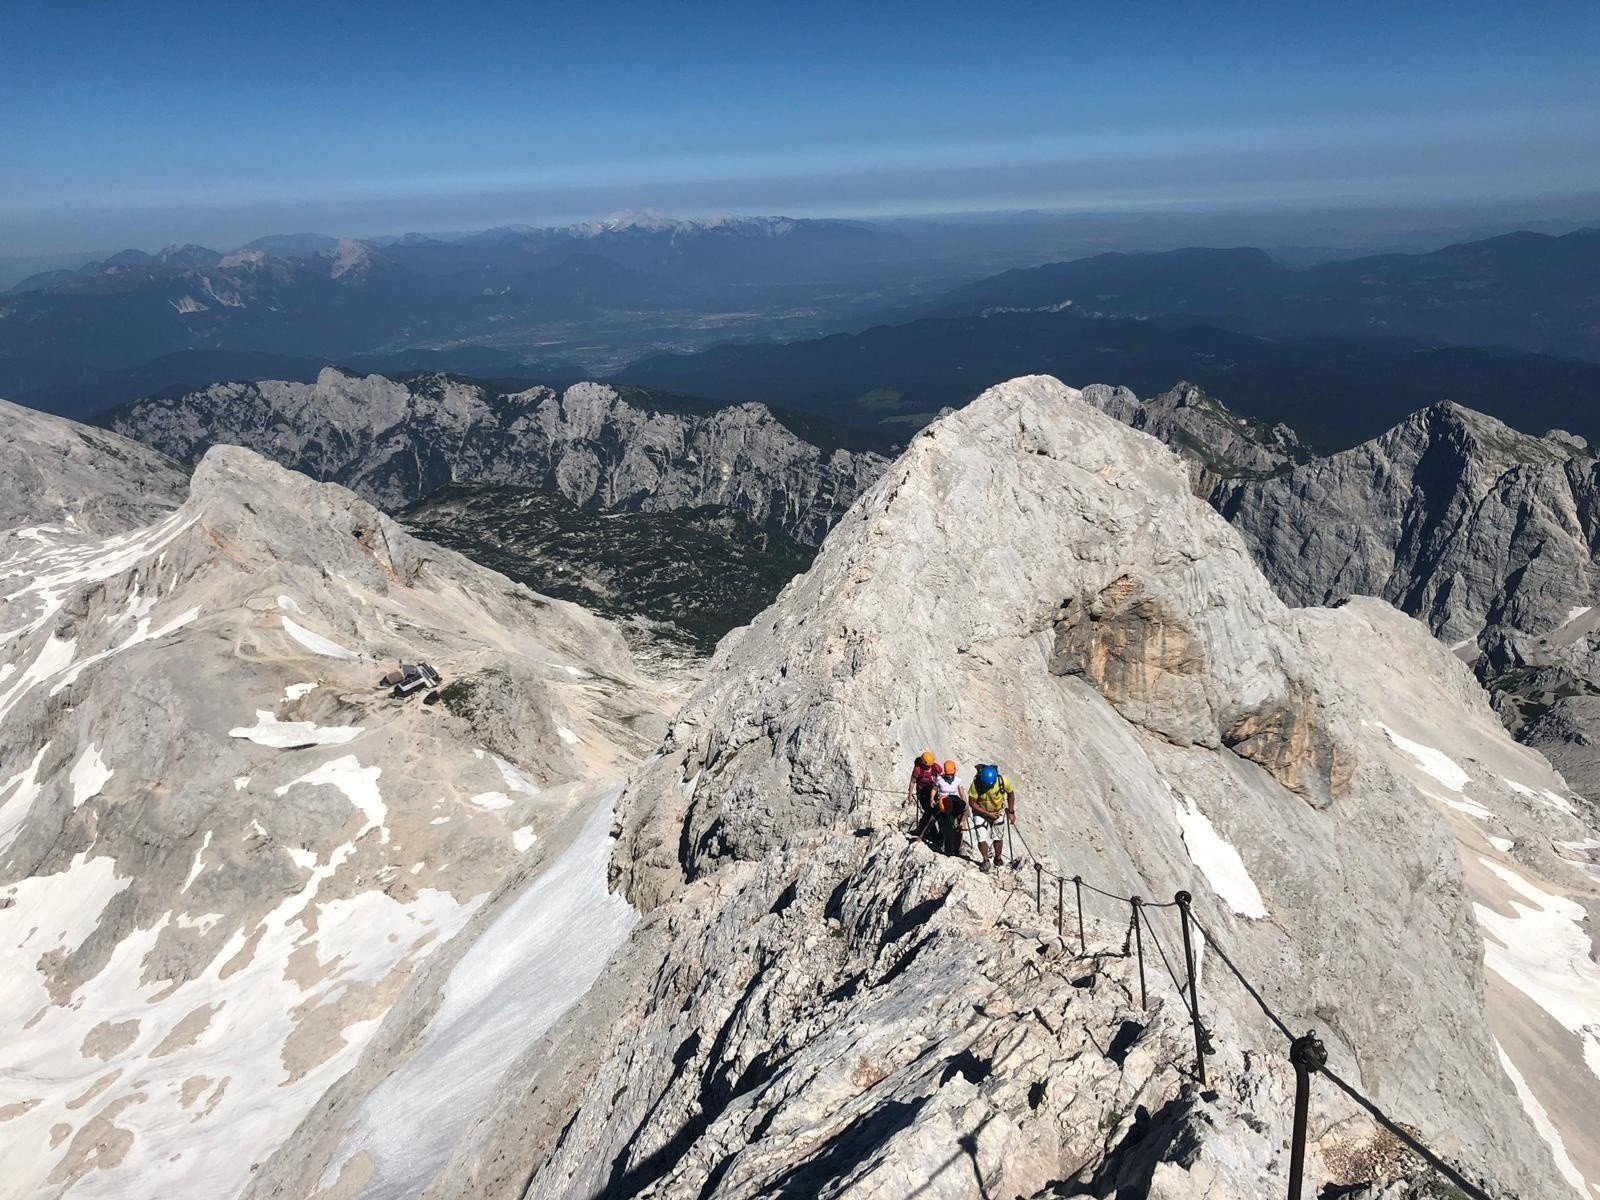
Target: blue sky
{"points": [[140, 123]]}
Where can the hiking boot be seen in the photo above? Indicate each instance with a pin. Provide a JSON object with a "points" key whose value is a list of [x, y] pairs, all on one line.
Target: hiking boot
{"points": [[984, 866]]}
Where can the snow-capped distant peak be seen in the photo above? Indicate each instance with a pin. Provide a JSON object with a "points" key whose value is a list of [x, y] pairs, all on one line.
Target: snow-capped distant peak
{"points": [[646, 219]]}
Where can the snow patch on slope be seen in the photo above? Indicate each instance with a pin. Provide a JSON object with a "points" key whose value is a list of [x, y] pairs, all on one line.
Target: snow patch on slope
{"points": [[1219, 862], [1545, 797], [315, 642], [1542, 1123], [360, 786], [1471, 807], [533, 963], [1543, 952], [14, 811], [142, 633], [89, 775], [286, 735], [1435, 762]]}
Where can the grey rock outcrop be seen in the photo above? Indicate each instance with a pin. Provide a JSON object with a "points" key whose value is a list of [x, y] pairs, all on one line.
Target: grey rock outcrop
{"points": [[224, 846], [1490, 536], [757, 985], [1451, 516], [58, 472], [1219, 443], [394, 442], [812, 1005]]}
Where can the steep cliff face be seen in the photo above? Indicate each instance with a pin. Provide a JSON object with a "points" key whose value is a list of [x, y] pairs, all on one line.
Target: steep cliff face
{"points": [[813, 1005], [1451, 516], [395, 442], [224, 846], [1488, 535]]}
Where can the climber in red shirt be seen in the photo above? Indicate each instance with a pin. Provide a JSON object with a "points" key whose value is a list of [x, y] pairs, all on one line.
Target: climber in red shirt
{"points": [[920, 792]]}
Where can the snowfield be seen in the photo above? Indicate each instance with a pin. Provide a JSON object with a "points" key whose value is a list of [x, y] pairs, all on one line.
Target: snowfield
{"points": [[537, 958]]}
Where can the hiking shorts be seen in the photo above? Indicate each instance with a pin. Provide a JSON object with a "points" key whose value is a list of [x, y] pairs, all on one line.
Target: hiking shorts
{"points": [[989, 831]]}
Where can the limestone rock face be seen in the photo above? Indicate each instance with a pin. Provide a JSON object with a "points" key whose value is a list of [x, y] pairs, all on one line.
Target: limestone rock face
{"points": [[60, 473], [813, 1005], [1450, 516], [1218, 444], [394, 442], [225, 848], [1138, 654], [934, 616], [733, 975], [1488, 535]]}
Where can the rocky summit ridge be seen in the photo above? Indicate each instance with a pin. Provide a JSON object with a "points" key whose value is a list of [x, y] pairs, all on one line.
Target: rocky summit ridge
{"points": [[1489, 535], [395, 441], [720, 968], [814, 1005]]}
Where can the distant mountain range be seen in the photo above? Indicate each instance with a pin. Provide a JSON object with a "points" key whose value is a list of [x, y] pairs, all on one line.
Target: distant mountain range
{"points": [[1522, 291], [893, 379], [1341, 349], [601, 284], [728, 250]]}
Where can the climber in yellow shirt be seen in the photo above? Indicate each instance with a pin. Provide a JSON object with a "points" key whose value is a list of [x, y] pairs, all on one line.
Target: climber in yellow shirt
{"points": [[992, 801]]}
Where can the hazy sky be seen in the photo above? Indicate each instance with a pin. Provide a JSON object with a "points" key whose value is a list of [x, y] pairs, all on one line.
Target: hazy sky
{"points": [[127, 123]]}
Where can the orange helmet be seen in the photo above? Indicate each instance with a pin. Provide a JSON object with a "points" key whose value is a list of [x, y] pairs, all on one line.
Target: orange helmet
{"points": [[927, 758], [949, 766]]}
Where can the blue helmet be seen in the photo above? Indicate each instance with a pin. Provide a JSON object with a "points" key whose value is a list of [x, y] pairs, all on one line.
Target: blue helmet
{"points": [[988, 776]]}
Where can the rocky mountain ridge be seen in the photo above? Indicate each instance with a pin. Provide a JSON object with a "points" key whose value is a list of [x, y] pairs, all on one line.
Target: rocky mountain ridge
{"points": [[733, 975], [813, 1005], [1489, 536], [1452, 516], [225, 847], [394, 442], [60, 473], [1220, 443]]}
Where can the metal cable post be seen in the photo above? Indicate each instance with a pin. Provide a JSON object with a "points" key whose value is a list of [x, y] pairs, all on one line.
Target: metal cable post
{"points": [[1182, 900], [1077, 886], [1308, 1055], [1038, 887], [1138, 942], [1061, 902]]}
